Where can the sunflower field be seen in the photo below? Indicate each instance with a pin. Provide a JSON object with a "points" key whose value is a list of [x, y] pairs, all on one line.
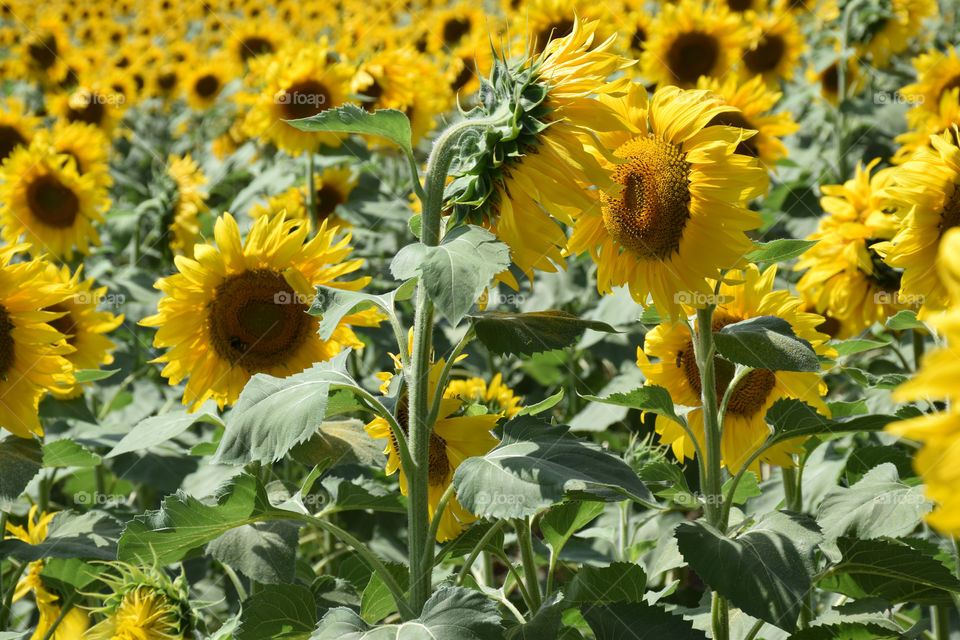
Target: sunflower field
{"points": [[516, 319]]}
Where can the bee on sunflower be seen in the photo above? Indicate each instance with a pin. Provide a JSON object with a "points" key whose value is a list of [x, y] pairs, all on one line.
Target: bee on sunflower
{"points": [[844, 276], [676, 215], [48, 203], [744, 294], [253, 298]]}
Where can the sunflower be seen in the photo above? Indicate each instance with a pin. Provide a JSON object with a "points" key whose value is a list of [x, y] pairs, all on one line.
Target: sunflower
{"points": [[42, 52], [891, 34], [454, 439], [828, 78], [17, 126], [189, 203], [689, 40], [515, 189], [46, 201], [81, 323], [927, 126], [938, 75], [251, 40], [544, 20], [143, 614], [332, 188], [93, 102], [774, 47], [298, 85], [843, 274], [76, 621], [938, 460], [495, 397], [926, 193], [206, 80], [252, 299], [754, 103], [744, 428], [678, 215], [634, 33], [87, 145], [387, 80]]}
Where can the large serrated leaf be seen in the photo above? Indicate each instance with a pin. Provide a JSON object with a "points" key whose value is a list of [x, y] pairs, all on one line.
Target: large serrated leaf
{"points": [[638, 621], [618, 582], [651, 398], [332, 304], [535, 465], [273, 415], [159, 429], [530, 333], [386, 123], [766, 342], [279, 612], [21, 459]]}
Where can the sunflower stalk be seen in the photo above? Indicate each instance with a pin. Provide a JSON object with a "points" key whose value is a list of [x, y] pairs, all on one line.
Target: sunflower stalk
{"points": [[529, 559]]}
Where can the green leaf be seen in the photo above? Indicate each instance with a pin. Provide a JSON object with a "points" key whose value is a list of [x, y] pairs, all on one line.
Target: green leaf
{"points": [[841, 409], [903, 320], [638, 621], [456, 271], [156, 430], [761, 571], [650, 315], [766, 342], [183, 524], [618, 582], [850, 347], [890, 570], [70, 575], [21, 459], [747, 488], [650, 398], [346, 489], [544, 624], [791, 418], [278, 611], [386, 123], [877, 506], [543, 405], [332, 304], [779, 250], [451, 613], [535, 465], [275, 414], [465, 542], [377, 603], [563, 520], [530, 333], [851, 631], [862, 459], [68, 453], [671, 477], [263, 551], [91, 375], [91, 535], [339, 442]]}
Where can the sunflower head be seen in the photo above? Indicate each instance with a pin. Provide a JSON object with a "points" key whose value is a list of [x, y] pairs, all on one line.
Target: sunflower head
{"points": [[143, 603]]}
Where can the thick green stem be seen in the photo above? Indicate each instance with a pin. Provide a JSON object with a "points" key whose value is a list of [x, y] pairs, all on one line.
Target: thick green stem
{"points": [[529, 559], [720, 615], [428, 555], [477, 550], [940, 622], [790, 492], [704, 351]]}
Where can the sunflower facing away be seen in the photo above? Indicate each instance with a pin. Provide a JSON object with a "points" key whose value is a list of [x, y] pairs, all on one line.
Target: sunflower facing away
{"points": [[844, 276], [938, 460], [76, 621], [239, 308], [690, 39], [31, 348], [926, 192], [143, 604], [679, 216], [744, 428], [189, 203], [47, 203], [455, 438]]}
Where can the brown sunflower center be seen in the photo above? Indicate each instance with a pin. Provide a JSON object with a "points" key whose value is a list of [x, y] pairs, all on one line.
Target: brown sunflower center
{"points": [[739, 5], [305, 99], [257, 320], [765, 56], [254, 46], [10, 139], [89, 110], [65, 324], [167, 80], [454, 29], [830, 79], [438, 464], [884, 277], [653, 207], [6, 343], [373, 92], [207, 85], [737, 119], [466, 73], [830, 325], [950, 216], [328, 197], [43, 52], [950, 85], [638, 40], [52, 202], [692, 55], [751, 391]]}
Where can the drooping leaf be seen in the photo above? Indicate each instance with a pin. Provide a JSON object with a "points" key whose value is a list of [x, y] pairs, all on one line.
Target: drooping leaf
{"points": [[903, 320], [376, 602], [638, 621], [348, 118], [275, 414], [332, 304], [766, 342], [159, 429], [652, 398], [851, 347], [263, 551], [339, 442], [529, 333], [791, 418], [543, 405], [617, 582], [535, 465], [68, 453], [779, 250], [563, 520], [280, 611]]}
